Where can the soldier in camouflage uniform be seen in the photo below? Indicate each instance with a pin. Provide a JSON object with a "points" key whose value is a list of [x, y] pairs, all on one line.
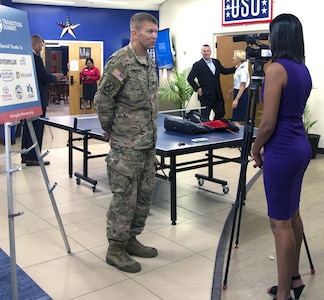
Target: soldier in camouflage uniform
{"points": [[126, 103]]}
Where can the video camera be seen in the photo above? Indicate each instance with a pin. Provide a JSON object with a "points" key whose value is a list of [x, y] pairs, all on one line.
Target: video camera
{"points": [[258, 54]]}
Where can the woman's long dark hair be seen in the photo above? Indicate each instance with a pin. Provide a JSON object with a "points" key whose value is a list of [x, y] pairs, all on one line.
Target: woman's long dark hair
{"points": [[286, 38]]}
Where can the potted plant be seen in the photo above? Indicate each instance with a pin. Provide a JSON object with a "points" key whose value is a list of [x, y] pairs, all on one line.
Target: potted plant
{"points": [[176, 89], [308, 124]]}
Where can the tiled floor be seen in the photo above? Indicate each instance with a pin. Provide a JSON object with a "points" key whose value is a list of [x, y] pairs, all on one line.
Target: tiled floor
{"points": [[184, 268]]}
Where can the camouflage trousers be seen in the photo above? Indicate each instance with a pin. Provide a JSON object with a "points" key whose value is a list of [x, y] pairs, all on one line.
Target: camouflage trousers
{"points": [[131, 179]]}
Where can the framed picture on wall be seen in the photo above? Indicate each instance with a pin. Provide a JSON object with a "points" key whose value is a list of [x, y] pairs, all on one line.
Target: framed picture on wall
{"points": [[84, 52]]}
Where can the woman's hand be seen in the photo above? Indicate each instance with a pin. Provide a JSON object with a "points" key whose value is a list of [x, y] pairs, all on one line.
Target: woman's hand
{"points": [[257, 156], [234, 103]]}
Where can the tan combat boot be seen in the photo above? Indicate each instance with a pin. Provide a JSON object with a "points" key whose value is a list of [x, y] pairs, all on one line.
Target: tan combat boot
{"points": [[134, 247], [118, 257]]}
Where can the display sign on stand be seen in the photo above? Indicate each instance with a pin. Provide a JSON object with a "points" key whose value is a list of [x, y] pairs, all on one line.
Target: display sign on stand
{"points": [[19, 88], [19, 99]]}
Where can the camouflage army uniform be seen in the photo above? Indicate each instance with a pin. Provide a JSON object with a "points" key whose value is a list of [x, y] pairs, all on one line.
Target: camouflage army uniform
{"points": [[127, 105]]}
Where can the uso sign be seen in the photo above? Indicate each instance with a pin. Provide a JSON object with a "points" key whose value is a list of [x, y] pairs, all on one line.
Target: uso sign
{"points": [[238, 12]]}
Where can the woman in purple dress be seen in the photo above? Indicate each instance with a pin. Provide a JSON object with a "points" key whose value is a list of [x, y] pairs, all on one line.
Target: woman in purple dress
{"points": [[281, 147]]}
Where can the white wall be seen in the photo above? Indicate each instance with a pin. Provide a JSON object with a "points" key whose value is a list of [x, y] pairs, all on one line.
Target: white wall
{"points": [[195, 22]]}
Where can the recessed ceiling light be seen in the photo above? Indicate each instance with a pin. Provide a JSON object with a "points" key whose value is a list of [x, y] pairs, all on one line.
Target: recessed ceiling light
{"points": [[108, 2], [56, 1]]}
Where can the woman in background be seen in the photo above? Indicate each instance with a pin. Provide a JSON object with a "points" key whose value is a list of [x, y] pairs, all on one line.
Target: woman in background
{"points": [[240, 85], [282, 149], [89, 77]]}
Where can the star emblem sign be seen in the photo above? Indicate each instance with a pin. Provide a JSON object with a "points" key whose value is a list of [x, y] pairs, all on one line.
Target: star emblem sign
{"points": [[68, 27]]}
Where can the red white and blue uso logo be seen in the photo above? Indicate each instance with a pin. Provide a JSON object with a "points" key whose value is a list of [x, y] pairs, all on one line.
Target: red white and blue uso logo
{"points": [[237, 12]]}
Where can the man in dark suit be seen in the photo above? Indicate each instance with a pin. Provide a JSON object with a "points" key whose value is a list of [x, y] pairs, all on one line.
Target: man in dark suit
{"points": [[204, 79], [43, 79]]}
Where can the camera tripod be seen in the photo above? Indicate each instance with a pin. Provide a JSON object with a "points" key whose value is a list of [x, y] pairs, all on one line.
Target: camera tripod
{"points": [[236, 210]]}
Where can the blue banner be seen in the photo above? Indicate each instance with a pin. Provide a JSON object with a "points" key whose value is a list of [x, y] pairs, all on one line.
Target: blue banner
{"points": [[163, 50], [19, 96], [238, 12]]}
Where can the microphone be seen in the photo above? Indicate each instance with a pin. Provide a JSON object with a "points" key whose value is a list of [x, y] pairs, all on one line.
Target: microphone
{"points": [[250, 38], [263, 36], [239, 38]]}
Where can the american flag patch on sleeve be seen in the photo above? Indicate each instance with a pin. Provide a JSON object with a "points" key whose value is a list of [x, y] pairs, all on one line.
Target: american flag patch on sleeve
{"points": [[118, 75]]}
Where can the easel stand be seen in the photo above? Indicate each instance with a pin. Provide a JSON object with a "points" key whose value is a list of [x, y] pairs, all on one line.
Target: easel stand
{"points": [[47, 183], [11, 213], [241, 195]]}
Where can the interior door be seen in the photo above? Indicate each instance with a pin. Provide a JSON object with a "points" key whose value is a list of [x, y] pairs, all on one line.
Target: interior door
{"points": [[78, 51], [224, 50]]}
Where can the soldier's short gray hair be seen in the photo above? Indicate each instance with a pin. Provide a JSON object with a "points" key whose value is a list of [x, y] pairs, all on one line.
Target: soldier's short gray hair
{"points": [[138, 18]]}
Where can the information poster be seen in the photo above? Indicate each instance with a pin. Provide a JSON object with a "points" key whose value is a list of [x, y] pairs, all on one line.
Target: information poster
{"points": [[163, 50], [19, 95]]}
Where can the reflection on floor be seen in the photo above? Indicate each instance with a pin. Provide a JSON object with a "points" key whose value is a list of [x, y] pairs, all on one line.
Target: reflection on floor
{"points": [[185, 264]]}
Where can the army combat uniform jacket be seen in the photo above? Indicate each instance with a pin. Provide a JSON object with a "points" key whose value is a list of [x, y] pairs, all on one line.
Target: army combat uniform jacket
{"points": [[126, 101]]}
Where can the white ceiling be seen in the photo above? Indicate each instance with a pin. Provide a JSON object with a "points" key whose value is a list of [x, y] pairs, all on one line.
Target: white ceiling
{"points": [[120, 4]]}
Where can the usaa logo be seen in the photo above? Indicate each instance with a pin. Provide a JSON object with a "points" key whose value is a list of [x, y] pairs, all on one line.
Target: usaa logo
{"points": [[30, 91]]}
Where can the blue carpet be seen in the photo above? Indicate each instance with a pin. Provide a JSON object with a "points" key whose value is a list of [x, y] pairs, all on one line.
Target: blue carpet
{"points": [[27, 288]]}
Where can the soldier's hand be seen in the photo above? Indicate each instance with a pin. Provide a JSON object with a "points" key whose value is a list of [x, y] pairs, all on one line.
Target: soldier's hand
{"points": [[105, 136]]}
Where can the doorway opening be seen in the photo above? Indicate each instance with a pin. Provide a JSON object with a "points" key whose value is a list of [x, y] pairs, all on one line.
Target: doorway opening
{"points": [[68, 58]]}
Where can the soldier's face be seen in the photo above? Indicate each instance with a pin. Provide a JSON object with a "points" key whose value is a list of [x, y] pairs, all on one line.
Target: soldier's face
{"points": [[146, 35]]}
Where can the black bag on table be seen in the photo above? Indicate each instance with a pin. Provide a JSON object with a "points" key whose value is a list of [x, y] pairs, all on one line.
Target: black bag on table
{"points": [[186, 126], [218, 125]]}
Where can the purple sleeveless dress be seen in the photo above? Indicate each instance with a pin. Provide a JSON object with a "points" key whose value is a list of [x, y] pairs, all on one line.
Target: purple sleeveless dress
{"points": [[288, 152]]}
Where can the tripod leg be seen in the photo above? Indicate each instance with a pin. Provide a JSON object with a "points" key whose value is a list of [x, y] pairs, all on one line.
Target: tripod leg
{"points": [[308, 255], [235, 207], [246, 146]]}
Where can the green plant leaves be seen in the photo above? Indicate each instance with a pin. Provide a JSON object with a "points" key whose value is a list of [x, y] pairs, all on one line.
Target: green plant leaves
{"points": [[176, 89]]}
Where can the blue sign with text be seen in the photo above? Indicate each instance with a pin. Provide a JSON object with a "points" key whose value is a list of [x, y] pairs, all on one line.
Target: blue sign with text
{"points": [[237, 12], [19, 96]]}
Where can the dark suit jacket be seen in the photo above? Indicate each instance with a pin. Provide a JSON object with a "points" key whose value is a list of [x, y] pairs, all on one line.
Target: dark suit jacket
{"points": [[209, 83], [43, 79]]}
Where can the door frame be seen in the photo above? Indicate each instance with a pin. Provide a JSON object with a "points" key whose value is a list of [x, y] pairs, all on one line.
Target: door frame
{"points": [[75, 73], [227, 81]]}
